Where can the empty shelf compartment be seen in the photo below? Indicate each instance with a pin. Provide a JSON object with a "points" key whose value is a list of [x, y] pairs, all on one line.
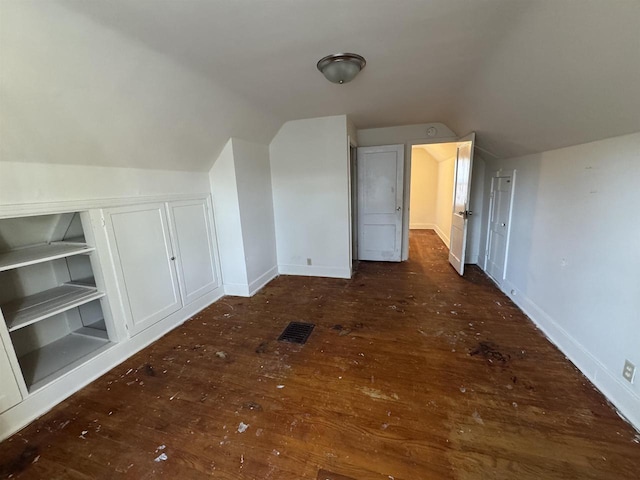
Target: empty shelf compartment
{"points": [[22, 257], [51, 361], [33, 308]]}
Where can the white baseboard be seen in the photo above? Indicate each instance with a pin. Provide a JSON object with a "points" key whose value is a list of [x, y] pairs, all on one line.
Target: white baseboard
{"points": [[625, 400], [236, 289], [262, 280], [443, 236], [422, 226], [40, 402], [314, 271]]}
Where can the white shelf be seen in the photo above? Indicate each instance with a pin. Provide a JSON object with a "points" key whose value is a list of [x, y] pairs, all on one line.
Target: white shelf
{"points": [[23, 257], [97, 329], [57, 358], [33, 308]]}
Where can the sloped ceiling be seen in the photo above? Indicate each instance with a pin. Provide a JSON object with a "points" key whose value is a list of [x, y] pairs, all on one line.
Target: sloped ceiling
{"points": [[439, 151], [527, 76]]}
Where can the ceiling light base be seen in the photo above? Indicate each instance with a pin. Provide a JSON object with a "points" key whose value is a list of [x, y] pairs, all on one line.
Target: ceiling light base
{"points": [[341, 67]]}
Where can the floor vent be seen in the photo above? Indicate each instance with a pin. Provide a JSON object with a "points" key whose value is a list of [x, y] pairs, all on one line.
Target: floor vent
{"points": [[296, 332]]}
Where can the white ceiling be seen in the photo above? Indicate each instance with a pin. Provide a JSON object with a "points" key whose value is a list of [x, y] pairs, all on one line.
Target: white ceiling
{"points": [[527, 76]]}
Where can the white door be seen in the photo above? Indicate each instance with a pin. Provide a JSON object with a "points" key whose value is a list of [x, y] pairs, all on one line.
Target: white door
{"points": [[380, 180], [461, 212], [9, 392], [193, 244], [144, 263], [499, 223]]}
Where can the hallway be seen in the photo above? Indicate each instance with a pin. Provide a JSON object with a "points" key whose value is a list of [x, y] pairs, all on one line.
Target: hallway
{"points": [[412, 372]]}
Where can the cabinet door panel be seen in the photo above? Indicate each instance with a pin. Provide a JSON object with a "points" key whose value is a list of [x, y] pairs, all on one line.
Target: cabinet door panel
{"points": [[145, 263], [193, 242], [9, 392]]}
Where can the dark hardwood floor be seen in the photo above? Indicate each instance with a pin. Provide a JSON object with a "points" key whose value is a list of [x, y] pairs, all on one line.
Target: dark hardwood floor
{"points": [[411, 373]]}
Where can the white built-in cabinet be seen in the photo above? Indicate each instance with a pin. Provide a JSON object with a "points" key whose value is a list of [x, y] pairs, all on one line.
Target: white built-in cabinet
{"points": [[163, 258], [10, 391], [51, 301], [79, 288]]}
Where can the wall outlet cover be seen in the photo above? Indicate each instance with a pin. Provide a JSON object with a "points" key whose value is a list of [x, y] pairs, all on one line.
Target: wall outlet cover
{"points": [[629, 371]]}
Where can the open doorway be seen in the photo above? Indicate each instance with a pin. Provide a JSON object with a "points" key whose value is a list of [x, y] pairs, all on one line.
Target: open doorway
{"points": [[431, 190]]}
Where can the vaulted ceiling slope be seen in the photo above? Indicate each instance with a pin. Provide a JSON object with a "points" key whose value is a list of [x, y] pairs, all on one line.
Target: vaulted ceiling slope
{"points": [[170, 81]]}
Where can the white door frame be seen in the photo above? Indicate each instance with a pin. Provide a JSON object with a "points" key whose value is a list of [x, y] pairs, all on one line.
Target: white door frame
{"points": [[498, 174], [407, 185]]}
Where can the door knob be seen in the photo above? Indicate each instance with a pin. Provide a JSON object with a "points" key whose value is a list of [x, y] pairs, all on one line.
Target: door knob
{"points": [[398, 209], [503, 224]]}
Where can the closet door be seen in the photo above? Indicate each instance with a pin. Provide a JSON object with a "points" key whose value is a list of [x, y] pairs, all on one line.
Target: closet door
{"points": [[193, 243], [9, 392], [144, 263]]}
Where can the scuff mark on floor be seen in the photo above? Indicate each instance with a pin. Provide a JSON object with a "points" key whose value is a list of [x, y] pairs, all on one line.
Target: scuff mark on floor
{"points": [[377, 394]]}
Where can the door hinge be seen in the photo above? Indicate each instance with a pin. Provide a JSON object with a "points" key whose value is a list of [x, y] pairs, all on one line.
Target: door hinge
{"points": [[104, 223]]}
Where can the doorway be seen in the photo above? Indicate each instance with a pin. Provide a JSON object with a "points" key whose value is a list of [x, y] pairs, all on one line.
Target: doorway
{"points": [[431, 189]]}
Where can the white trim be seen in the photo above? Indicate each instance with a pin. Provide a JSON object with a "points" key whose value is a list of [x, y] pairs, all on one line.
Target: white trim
{"points": [[46, 208], [262, 280], [443, 236], [422, 226], [625, 400], [46, 398], [244, 290], [314, 271], [236, 289]]}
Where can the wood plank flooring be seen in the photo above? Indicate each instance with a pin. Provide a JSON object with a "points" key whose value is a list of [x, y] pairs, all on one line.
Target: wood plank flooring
{"points": [[411, 373]]}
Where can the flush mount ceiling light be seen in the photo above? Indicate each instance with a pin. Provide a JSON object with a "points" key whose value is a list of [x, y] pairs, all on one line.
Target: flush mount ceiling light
{"points": [[341, 67]]}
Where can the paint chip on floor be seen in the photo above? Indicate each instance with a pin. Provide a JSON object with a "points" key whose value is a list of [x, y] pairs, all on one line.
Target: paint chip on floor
{"points": [[161, 458], [242, 427]]}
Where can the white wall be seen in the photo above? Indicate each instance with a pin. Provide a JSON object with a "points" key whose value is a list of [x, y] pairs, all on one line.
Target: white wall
{"points": [[476, 205], [22, 183], [573, 256], [242, 197], [309, 175], [407, 134], [424, 189], [226, 206], [74, 91], [253, 175]]}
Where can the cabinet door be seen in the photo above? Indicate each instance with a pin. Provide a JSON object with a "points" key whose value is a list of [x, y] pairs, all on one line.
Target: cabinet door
{"points": [[9, 391], [144, 263], [193, 244]]}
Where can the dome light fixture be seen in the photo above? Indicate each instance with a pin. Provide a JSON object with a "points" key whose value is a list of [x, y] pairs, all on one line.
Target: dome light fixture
{"points": [[341, 67]]}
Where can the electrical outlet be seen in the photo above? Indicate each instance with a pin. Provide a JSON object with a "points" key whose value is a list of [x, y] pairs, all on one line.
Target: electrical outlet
{"points": [[308, 261], [629, 371]]}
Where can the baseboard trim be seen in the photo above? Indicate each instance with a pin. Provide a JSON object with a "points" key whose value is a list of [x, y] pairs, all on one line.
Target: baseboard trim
{"points": [[40, 402], [236, 289], [444, 237], [625, 400], [422, 226], [314, 271], [262, 280]]}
